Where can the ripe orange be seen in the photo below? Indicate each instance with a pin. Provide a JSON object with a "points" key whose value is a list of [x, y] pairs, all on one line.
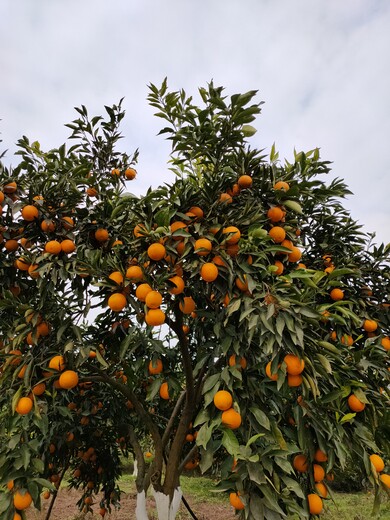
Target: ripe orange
{"points": [[17, 516], [39, 389], [139, 230], [295, 255], [281, 185], [155, 367], [245, 181], [69, 379], [10, 484], [234, 235], [116, 277], [370, 325], [156, 251], [57, 363], [294, 365], [24, 406], [271, 376], [319, 473], [225, 198], [203, 246], [21, 264], [231, 419], [10, 187], [67, 223], [315, 504], [385, 342], [53, 247], [287, 243], [197, 211], [29, 213], [11, 245], [346, 339], [275, 214], [187, 305], [300, 463], [322, 489], [68, 246], [155, 317], [277, 233], [236, 501], [101, 235], [91, 192], [22, 371], [117, 302], [142, 291], [178, 285], [130, 174], [233, 361], [320, 456], [115, 172], [22, 499], [164, 391], [336, 294], [377, 462], [385, 479], [280, 268], [209, 272], [355, 404], [176, 226], [153, 299], [32, 270], [223, 400], [2, 197], [242, 285], [134, 273], [294, 381]]}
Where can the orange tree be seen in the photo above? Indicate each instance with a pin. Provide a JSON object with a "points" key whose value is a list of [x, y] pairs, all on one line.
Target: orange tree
{"points": [[238, 314]]}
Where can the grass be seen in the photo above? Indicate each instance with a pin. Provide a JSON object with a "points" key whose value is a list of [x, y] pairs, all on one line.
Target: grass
{"points": [[346, 506]]}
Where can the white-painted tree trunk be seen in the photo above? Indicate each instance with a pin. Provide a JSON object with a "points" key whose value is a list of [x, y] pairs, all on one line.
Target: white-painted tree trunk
{"points": [[135, 470], [140, 510], [167, 510]]}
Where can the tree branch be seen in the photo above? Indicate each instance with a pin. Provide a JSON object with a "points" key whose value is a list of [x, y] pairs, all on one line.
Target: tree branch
{"points": [[171, 421], [144, 416]]}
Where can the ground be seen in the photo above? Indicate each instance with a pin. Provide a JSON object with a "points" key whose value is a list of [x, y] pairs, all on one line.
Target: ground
{"points": [[65, 509]]}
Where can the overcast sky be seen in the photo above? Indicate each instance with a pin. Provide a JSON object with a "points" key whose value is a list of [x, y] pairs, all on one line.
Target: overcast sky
{"points": [[321, 66]]}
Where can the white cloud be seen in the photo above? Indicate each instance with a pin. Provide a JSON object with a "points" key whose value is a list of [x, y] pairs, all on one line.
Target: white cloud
{"points": [[319, 66]]}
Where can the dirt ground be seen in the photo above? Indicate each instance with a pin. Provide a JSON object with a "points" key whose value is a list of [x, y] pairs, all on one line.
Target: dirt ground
{"points": [[65, 509]]}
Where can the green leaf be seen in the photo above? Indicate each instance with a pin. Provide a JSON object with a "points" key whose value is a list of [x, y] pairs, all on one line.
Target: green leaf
{"points": [[254, 438], [26, 455], [325, 363], [5, 501], [348, 417], [260, 417], [248, 130], [294, 206], [211, 382], [202, 417], [256, 473], [230, 442]]}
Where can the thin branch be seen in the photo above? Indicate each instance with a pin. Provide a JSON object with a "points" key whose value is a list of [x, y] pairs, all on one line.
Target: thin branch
{"points": [[139, 457], [144, 416], [171, 421], [190, 455]]}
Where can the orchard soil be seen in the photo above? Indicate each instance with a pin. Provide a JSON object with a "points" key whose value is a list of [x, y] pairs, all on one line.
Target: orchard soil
{"points": [[65, 509]]}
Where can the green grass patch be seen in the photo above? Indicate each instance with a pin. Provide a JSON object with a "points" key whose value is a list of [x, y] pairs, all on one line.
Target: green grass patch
{"points": [[355, 506], [346, 506]]}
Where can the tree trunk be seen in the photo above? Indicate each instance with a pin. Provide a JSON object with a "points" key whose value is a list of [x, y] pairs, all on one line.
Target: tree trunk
{"points": [[167, 509], [140, 510]]}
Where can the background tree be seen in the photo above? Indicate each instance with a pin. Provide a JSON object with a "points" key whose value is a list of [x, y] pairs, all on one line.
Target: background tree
{"points": [[187, 315]]}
